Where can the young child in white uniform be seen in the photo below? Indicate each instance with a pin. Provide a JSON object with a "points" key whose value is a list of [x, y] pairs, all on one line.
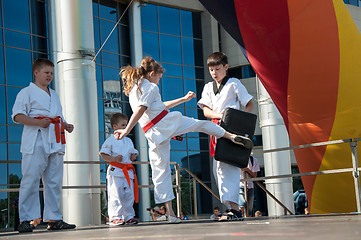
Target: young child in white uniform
{"points": [[42, 146], [224, 93], [120, 154], [160, 125]]}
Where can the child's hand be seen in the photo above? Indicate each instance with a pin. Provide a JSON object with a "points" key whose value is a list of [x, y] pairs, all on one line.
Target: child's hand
{"points": [[44, 123], [69, 127], [189, 96], [133, 156], [120, 133], [118, 158]]}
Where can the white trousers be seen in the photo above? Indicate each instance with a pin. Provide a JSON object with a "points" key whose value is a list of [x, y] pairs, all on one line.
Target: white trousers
{"points": [[227, 180], [49, 167], [159, 155], [120, 198]]}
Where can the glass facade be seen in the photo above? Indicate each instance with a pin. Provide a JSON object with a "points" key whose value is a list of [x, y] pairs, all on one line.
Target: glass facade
{"points": [[174, 38], [23, 38]]}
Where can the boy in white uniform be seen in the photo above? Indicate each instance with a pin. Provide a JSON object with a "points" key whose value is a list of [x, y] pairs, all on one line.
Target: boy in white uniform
{"points": [[42, 146], [120, 154], [224, 93]]}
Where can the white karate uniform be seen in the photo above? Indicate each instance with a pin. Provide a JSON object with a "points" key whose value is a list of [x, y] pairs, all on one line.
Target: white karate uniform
{"points": [[42, 157], [120, 195], [173, 124], [231, 95]]}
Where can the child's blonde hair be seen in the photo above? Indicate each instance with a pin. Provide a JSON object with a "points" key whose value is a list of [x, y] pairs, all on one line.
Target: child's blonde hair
{"points": [[133, 75]]}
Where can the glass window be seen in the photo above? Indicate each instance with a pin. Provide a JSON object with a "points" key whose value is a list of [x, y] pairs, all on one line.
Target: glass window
{"points": [[3, 133], [190, 85], [14, 152], [150, 45], [101, 115], [193, 143], [192, 112], [178, 145], [3, 172], [169, 20], [110, 59], [125, 40], [3, 152], [189, 72], [186, 23], [172, 70], [170, 49], [38, 18], [16, 39], [40, 45], [15, 133], [173, 88], [112, 44], [108, 10], [96, 33], [198, 53], [2, 105], [95, 9], [188, 51], [15, 172], [14, 59], [12, 93], [180, 157], [16, 15], [99, 80], [149, 18]]}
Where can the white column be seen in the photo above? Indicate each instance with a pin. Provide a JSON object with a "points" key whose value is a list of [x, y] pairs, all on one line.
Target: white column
{"points": [[71, 40], [141, 141], [274, 135]]}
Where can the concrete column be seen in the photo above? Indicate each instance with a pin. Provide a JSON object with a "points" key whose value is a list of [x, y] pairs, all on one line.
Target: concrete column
{"points": [[141, 142], [275, 135], [71, 40]]}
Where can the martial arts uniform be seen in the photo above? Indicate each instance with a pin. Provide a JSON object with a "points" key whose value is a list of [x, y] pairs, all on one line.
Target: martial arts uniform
{"points": [[120, 192], [229, 94], [159, 135], [42, 155]]}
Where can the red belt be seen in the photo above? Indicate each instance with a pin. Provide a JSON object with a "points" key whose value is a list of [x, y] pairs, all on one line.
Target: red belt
{"points": [[125, 167], [156, 120], [59, 133], [212, 143]]}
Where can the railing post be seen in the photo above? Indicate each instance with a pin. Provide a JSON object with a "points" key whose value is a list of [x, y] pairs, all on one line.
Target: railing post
{"points": [[356, 174], [178, 189], [195, 198]]}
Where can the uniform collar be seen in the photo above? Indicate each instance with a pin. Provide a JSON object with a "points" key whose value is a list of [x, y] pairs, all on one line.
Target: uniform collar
{"points": [[217, 90]]}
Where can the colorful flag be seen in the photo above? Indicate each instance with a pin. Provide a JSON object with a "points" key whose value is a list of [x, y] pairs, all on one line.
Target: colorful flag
{"points": [[307, 54]]}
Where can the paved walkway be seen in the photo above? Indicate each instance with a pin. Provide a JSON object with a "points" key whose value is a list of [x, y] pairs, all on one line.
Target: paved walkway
{"points": [[345, 226]]}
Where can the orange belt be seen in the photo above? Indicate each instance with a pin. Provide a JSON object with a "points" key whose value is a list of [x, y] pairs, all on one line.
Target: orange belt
{"points": [[125, 167], [156, 120], [59, 133], [212, 143]]}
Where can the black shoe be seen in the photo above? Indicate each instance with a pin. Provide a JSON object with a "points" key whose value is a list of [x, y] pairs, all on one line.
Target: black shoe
{"points": [[25, 227], [234, 215], [243, 141], [131, 222], [60, 225]]}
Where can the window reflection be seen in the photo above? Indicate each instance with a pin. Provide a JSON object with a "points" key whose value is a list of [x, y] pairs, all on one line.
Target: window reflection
{"points": [[3, 152], [188, 51], [151, 45], [169, 20], [108, 10], [16, 132], [11, 95], [14, 152], [172, 88], [16, 15], [3, 132], [2, 105], [149, 18], [112, 44], [14, 59], [170, 49]]}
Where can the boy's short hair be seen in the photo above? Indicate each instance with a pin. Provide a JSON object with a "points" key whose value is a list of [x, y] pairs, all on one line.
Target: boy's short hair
{"points": [[217, 58], [116, 117], [41, 62], [216, 208]]}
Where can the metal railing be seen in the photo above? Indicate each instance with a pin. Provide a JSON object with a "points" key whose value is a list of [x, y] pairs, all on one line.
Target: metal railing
{"points": [[355, 170]]}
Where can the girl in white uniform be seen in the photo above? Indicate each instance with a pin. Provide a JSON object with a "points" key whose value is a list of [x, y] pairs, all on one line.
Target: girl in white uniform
{"points": [[224, 93], [120, 191], [42, 146], [160, 125]]}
